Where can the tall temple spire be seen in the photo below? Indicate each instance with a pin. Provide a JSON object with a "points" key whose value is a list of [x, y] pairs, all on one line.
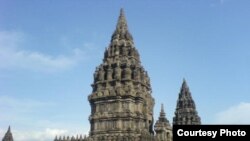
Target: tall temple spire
{"points": [[185, 109], [121, 100], [8, 136]]}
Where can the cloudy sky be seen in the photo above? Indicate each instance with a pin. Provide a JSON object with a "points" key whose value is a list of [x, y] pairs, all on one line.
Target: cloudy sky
{"points": [[49, 51]]}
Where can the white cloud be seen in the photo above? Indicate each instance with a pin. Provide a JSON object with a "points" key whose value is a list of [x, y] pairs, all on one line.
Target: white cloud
{"points": [[12, 57], [19, 113], [47, 134], [238, 114], [11, 39], [25, 126]]}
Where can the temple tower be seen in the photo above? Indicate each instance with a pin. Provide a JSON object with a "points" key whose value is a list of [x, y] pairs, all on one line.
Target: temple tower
{"points": [[8, 136], [121, 100], [185, 113], [162, 127]]}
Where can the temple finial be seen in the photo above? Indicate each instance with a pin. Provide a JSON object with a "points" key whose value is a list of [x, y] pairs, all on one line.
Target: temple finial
{"points": [[8, 135], [162, 108], [122, 22], [121, 12], [162, 113], [184, 83], [9, 129], [121, 31]]}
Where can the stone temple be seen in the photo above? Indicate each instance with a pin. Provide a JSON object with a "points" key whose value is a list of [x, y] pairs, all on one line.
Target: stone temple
{"points": [[121, 101]]}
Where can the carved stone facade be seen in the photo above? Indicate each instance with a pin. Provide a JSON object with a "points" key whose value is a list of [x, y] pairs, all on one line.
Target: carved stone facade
{"points": [[121, 101]]}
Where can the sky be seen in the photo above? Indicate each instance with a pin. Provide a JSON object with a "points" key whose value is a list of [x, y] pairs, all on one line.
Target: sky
{"points": [[49, 50]]}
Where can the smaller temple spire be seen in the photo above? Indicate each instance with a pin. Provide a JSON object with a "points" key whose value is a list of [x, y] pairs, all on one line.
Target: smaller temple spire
{"points": [[55, 138], [162, 117], [185, 109], [162, 126], [8, 135]]}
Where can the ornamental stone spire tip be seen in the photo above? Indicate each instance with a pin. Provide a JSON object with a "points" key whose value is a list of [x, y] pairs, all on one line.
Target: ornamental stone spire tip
{"points": [[8, 135], [9, 129], [162, 113], [184, 84], [121, 31]]}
